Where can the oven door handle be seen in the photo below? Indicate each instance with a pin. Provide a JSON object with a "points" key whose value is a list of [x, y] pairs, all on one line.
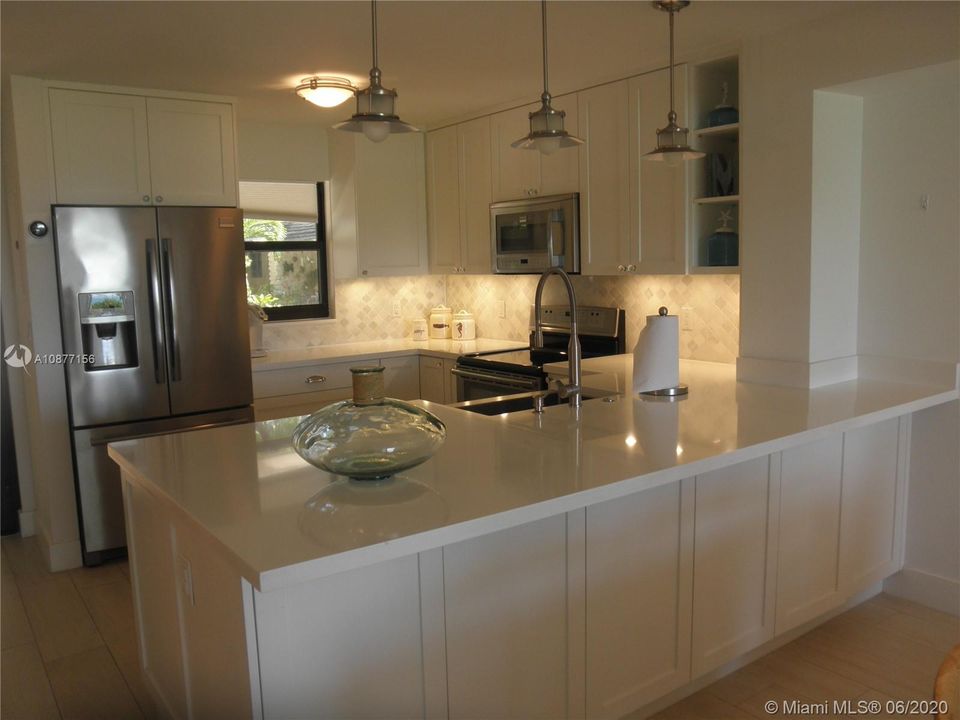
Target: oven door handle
{"points": [[496, 379]]}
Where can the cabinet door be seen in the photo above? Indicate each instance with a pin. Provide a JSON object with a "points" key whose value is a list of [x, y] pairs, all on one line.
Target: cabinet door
{"points": [[505, 598], [604, 179], [432, 381], [639, 556], [391, 205], [443, 199], [401, 377], [476, 188], [734, 566], [868, 514], [560, 172], [192, 152], [449, 382], [658, 191], [100, 152], [809, 532], [516, 173]]}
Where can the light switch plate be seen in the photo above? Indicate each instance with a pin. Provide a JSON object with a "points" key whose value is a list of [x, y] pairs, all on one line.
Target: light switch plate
{"points": [[186, 578], [501, 309]]}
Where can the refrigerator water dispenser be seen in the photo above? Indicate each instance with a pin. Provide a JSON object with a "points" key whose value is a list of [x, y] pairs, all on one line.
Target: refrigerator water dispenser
{"points": [[108, 329]]}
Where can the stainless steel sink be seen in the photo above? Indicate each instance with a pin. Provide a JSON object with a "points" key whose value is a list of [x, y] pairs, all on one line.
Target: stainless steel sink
{"points": [[514, 403]]}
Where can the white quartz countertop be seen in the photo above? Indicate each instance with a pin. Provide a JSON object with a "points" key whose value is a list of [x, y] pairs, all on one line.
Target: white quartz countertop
{"points": [[343, 352], [251, 494]]}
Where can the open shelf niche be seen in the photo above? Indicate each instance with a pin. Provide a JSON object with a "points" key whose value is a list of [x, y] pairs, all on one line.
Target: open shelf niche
{"points": [[710, 197]]}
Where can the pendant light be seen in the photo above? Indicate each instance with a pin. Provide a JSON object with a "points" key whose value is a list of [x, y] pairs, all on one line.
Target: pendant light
{"points": [[376, 115], [672, 147], [326, 92], [546, 124]]}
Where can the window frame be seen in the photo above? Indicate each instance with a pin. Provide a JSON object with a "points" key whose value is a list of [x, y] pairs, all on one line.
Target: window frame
{"points": [[320, 310]]}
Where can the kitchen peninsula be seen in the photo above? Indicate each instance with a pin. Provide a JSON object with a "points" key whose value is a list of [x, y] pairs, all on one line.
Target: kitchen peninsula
{"points": [[538, 566]]}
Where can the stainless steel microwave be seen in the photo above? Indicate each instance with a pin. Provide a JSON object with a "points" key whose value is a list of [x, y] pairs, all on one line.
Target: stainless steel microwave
{"points": [[533, 235]]}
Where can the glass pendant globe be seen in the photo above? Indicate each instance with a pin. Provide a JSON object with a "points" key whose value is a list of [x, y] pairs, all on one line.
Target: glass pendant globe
{"points": [[548, 145], [375, 130]]}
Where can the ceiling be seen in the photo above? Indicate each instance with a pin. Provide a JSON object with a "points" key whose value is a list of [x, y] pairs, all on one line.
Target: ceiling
{"points": [[447, 59]]}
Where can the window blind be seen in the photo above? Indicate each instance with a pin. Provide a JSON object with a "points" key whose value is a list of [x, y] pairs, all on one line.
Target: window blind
{"points": [[296, 202]]}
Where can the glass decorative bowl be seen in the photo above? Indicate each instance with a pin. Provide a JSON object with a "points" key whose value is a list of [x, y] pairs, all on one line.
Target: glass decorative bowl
{"points": [[370, 437]]}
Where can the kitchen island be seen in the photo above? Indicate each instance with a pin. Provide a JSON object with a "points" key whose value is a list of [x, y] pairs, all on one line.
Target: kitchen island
{"points": [[547, 566]]}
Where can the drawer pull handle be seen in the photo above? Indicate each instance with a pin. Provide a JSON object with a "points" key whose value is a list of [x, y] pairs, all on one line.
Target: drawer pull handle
{"points": [[314, 379]]}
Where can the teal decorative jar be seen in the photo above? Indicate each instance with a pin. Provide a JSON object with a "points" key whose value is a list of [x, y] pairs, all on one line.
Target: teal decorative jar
{"points": [[370, 437]]}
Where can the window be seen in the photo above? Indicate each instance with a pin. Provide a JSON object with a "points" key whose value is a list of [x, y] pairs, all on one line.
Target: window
{"points": [[286, 250]]}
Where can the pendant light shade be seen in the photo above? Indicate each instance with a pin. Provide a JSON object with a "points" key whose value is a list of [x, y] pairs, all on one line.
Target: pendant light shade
{"points": [[376, 115], [672, 144], [547, 133]]}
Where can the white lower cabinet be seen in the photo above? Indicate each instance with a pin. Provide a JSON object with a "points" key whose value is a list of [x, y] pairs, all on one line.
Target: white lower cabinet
{"points": [[506, 623], [807, 582], [401, 377], [871, 497], [639, 560], [437, 382], [735, 562]]}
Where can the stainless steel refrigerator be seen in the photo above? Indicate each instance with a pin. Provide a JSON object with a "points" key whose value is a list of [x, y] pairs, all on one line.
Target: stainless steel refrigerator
{"points": [[153, 306]]}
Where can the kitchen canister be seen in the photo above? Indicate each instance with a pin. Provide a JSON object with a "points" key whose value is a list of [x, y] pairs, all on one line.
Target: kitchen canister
{"points": [[464, 326], [419, 331], [440, 320]]}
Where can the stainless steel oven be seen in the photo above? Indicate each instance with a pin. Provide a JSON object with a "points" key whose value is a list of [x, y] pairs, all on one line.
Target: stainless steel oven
{"points": [[477, 383], [533, 235]]}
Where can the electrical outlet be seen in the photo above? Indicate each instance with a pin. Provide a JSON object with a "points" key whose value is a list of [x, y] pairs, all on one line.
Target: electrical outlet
{"points": [[501, 309], [396, 309]]}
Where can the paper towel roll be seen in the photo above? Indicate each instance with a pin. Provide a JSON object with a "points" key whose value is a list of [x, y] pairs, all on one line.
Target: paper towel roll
{"points": [[656, 358]]}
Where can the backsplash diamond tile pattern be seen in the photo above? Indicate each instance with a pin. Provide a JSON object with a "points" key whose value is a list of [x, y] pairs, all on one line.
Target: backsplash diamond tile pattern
{"points": [[708, 305]]}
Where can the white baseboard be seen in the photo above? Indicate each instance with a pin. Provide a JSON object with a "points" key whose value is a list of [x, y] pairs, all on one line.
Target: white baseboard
{"points": [[28, 523], [911, 370], [935, 591], [60, 556]]}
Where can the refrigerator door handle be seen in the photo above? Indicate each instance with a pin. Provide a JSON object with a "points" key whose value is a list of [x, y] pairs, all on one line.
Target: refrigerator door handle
{"points": [[156, 321], [166, 254]]}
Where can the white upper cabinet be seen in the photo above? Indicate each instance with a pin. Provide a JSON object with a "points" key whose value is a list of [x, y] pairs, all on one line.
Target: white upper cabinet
{"points": [[192, 160], [526, 173], [378, 205], [458, 197], [124, 149], [100, 148], [658, 191], [604, 180]]}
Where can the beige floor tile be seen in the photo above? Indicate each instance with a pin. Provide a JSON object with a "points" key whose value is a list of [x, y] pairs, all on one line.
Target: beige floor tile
{"points": [[756, 705], [89, 685], [58, 617], [742, 684], [25, 693], [25, 559], [14, 626], [702, 706], [110, 606], [124, 566], [941, 633], [124, 651], [911, 608], [108, 572], [793, 672]]}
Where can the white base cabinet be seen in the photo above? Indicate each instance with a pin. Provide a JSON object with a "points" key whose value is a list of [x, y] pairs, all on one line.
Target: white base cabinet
{"points": [[437, 382], [591, 613]]}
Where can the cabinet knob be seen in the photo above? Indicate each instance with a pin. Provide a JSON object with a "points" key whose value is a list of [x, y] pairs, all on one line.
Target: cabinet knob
{"points": [[621, 268], [146, 198], [363, 272], [631, 268], [159, 198], [315, 379]]}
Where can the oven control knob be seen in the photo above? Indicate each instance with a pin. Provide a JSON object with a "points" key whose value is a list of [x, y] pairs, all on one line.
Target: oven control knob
{"points": [[621, 268]]}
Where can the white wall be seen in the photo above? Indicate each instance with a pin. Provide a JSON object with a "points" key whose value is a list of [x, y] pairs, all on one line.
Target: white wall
{"points": [[282, 152], [780, 73], [910, 257]]}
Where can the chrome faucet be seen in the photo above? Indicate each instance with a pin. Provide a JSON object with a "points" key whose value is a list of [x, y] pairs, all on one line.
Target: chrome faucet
{"points": [[572, 389]]}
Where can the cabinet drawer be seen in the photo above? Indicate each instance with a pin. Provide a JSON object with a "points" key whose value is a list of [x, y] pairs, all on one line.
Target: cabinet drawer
{"points": [[309, 378]]}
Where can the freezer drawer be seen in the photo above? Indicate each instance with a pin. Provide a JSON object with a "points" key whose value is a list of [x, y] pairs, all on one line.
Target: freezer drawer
{"points": [[98, 477]]}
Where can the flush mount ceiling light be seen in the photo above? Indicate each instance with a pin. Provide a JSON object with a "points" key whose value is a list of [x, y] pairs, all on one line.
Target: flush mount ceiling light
{"points": [[325, 91], [672, 147], [376, 115], [546, 124]]}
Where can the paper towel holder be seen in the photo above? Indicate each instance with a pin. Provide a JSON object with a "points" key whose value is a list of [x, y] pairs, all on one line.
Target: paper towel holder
{"points": [[671, 393]]}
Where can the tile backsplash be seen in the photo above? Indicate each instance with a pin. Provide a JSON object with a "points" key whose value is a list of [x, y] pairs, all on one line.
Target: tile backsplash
{"points": [[708, 305]]}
